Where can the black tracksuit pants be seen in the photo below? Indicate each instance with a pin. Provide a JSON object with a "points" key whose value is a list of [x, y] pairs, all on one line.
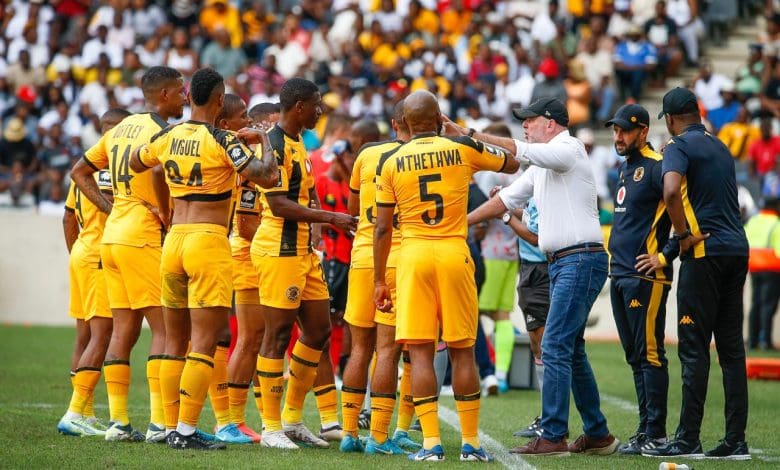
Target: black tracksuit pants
{"points": [[639, 308], [709, 301]]}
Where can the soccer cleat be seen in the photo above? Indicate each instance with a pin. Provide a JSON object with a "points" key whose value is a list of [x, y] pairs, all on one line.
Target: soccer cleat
{"points": [[364, 419], [436, 454], [76, 427], [350, 443], [155, 433], [205, 436], [254, 435], [469, 454], [300, 434], [503, 386], [386, 448], [95, 423], [676, 448], [727, 451], [123, 433], [277, 440], [175, 440], [490, 385], [331, 433], [402, 440], [532, 430], [230, 434]]}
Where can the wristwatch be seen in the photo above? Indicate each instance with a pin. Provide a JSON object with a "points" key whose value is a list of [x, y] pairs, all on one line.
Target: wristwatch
{"points": [[472, 131], [506, 218], [682, 236]]}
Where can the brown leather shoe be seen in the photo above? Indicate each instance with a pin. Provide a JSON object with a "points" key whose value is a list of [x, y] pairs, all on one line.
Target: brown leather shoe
{"points": [[541, 446], [587, 445]]}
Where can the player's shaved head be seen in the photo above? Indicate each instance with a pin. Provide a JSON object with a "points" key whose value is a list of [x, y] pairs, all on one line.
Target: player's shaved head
{"points": [[206, 84], [111, 118], [233, 105], [398, 111], [367, 130], [295, 90], [421, 112], [156, 78], [263, 111]]}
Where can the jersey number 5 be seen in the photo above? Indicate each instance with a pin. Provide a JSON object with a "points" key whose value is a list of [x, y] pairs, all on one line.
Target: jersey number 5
{"points": [[425, 196]]}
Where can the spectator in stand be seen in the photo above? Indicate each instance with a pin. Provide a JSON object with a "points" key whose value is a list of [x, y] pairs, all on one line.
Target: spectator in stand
{"points": [[18, 162], [599, 70], [147, 17], [551, 85], [257, 24], [727, 112], [23, 73], [221, 14], [763, 152], [423, 20], [603, 162], [456, 19], [739, 134], [748, 77], [763, 234], [56, 160], [622, 20], [685, 14], [222, 56], [635, 59], [98, 45], [661, 32], [579, 93], [181, 57], [336, 130], [708, 86], [388, 17], [39, 52], [770, 96], [484, 63]]}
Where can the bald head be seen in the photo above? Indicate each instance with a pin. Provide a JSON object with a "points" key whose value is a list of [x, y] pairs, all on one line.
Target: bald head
{"points": [[401, 131], [363, 132], [421, 112]]}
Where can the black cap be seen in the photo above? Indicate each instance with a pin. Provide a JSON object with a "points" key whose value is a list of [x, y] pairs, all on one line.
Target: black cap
{"points": [[630, 116], [676, 100], [550, 108]]}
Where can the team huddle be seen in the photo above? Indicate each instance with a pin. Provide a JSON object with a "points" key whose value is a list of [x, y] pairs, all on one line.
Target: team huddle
{"points": [[183, 224]]}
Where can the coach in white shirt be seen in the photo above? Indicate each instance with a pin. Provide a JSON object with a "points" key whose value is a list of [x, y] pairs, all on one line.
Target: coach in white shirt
{"points": [[561, 182]]}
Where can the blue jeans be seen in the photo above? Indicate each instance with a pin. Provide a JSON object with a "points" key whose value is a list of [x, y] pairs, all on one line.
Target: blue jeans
{"points": [[575, 282]]}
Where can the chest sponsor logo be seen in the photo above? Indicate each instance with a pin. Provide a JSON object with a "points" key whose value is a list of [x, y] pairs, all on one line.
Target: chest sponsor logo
{"points": [[639, 173], [621, 195], [248, 198]]}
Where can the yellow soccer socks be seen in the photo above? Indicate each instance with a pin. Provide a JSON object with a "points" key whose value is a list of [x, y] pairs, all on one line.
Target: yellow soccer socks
{"points": [[117, 376], [303, 370]]}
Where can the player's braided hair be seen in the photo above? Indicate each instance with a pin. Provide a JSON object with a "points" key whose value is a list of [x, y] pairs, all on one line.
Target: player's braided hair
{"points": [[203, 84], [294, 90]]}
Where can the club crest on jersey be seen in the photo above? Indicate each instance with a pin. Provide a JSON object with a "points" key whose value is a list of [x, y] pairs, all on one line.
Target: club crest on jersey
{"points": [[621, 195], [292, 293], [639, 173], [248, 198]]}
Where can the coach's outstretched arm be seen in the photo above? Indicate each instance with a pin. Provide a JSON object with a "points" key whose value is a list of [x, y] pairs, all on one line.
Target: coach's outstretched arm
{"points": [[81, 173]]}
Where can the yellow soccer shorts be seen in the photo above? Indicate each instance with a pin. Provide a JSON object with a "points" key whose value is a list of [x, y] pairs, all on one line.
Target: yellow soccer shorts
{"points": [[361, 311], [88, 292], [438, 296], [245, 282], [196, 269], [132, 275], [285, 281]]}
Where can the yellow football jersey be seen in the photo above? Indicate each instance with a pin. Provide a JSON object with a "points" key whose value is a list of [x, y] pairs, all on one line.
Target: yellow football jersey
{"points": [[427, 179], [363, 182], [199, 160], [247, 202], [91, 219], [277, 236], [130, 222]]}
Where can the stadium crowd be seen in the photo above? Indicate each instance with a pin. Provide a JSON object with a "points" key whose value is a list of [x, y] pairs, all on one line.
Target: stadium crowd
{"points": [[64, 63]]}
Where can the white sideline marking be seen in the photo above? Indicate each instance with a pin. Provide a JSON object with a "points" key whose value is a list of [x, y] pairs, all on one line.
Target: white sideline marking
{"points": [[493, 446], [624, 405]]}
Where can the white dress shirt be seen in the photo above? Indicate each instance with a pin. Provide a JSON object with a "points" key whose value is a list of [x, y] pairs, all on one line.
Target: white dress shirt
{"points": [[561, 182]]}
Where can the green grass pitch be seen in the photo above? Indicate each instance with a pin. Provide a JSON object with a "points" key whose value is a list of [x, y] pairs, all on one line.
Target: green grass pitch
{"points": [[35, 390]]}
